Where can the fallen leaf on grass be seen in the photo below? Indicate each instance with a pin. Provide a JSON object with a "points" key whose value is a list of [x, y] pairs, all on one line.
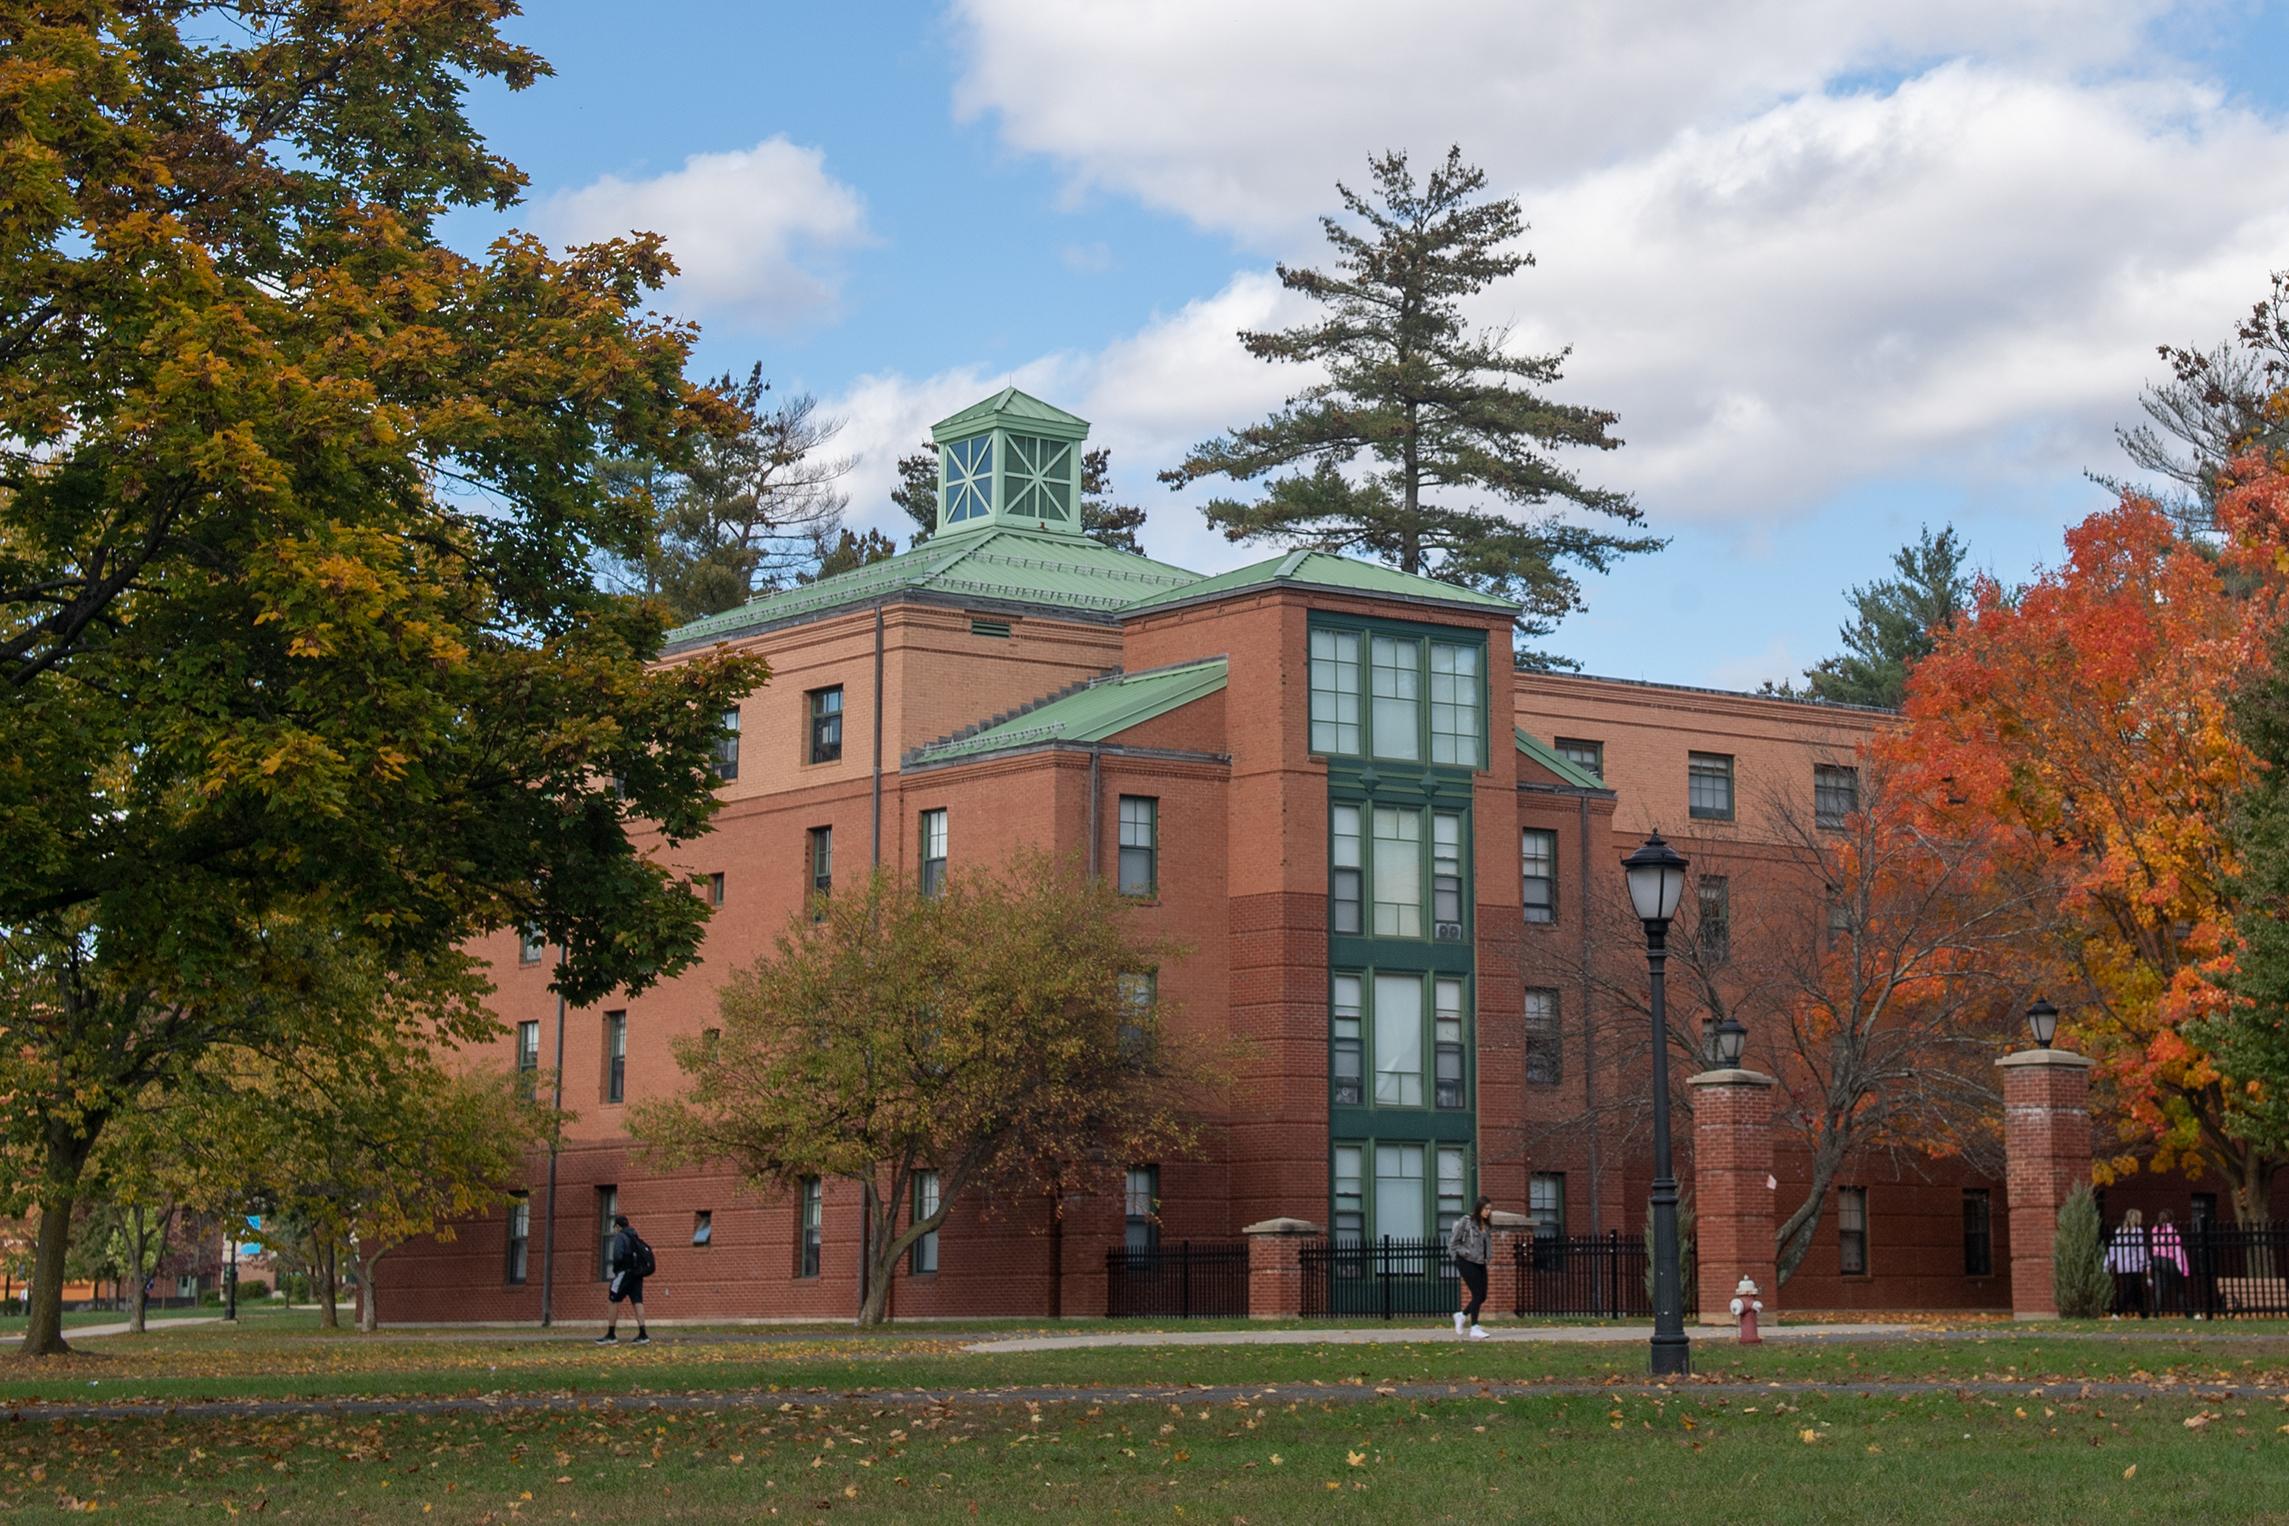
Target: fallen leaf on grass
{"points": [[2131, 1471]]}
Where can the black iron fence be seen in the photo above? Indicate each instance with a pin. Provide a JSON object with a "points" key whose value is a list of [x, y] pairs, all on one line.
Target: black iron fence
{"points": [[1188, 1280], [1602, 1276], [2208, 1271], [1384, 1278]]}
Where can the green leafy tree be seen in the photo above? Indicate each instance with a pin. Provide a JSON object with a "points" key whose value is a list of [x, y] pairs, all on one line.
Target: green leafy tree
{"points": [[1893, 624], [2080, 1282], [2248, 1036], [851, 552], [1102, 519], [298, 649], [994, 1034], [1429, 445], [752, 510]]}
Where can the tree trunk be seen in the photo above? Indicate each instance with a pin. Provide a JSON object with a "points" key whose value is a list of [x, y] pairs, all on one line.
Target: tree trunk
{"points": [[2251, 1177], [139, 1298], [369, 1316], [329, 1310], [1794, 1236], [59, 1192]]}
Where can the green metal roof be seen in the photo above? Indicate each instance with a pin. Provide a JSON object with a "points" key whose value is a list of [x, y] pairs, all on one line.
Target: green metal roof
{"points": [[1011, 408], [1321, 569], [1091, 713], [1558, 763], [997, 563]]}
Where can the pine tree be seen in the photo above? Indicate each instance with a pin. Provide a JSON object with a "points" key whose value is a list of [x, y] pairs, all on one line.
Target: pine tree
{"points": [[2079, 1280], [1895, 620], [1453, 427], [756, 509], [1102, 520]]}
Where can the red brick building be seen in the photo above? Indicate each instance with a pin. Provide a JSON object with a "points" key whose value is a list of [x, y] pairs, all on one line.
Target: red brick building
{"points": [[1380, 842]]}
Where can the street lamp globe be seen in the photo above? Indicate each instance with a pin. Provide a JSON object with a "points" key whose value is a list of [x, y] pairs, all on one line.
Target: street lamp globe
{"points": [[1725, 1043], [2042, 1022], [1656, 875]]}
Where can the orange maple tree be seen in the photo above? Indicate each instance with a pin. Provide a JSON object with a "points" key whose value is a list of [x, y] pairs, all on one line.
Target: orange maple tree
{"points": [[2088, 716]]}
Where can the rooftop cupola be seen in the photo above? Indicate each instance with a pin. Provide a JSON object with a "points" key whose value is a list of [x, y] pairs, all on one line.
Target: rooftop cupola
{"points": [[1011, 460]]}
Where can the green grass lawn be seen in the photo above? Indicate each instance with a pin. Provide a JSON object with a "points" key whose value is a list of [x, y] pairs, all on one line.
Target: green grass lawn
{"points": [[1294, 1458], [283, 1356]]}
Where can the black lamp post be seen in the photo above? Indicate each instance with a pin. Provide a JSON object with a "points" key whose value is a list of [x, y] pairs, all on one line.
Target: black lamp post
{"points": [[2043, 1022], [1656, 874], [1725, 1043]]}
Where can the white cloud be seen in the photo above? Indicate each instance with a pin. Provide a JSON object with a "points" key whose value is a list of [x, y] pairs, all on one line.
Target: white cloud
{"points": [[1240, 116], [755, 232]]}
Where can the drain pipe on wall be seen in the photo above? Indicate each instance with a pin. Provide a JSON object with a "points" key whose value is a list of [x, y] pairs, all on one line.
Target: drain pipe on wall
{"points": [[877, 845], [1096, 803], [1589, 1027]]}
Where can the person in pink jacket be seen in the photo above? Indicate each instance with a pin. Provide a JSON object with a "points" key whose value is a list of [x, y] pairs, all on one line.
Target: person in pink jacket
{"points": [[2170, 1269]]}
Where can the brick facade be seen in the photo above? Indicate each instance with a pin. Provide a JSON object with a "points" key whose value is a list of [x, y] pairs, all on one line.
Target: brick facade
{"points": [[1732, 1191]]}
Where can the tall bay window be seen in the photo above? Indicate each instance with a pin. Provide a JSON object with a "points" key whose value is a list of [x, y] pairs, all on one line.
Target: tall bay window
{"points": [[615, 1057], [1411, 698], [1401, 1206], [810, 1227], [1380, 861], [1378, 1026], [528, 1058]]}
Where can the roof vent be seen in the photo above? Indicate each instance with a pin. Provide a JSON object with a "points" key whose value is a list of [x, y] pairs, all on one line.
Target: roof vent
{"points": [[995, 628]]}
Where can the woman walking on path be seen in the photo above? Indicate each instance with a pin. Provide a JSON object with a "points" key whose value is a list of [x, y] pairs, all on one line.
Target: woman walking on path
{"points": [[2170, 1267], [2126, 1259], [1470, 1243]]}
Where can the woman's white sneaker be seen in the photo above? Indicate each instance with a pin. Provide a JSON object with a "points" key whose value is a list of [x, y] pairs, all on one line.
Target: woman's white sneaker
{"points": [[1477, 1333], [1458, 1321]]}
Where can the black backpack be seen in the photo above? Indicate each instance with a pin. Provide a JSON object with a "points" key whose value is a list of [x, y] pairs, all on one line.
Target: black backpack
{"points": [[641, 1260]]}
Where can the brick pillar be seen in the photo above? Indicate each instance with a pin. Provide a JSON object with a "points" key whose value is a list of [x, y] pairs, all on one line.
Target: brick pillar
{"points": [[1509, 1231], [2046, 1136], [1275, 1266], [1732, 1198]]}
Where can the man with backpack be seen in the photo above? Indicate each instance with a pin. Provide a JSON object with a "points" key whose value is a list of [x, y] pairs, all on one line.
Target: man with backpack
{"points": [[627, 1262]]}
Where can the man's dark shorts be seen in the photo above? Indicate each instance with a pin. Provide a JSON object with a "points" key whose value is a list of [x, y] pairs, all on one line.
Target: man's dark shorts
{"points": [[627, 1290]]}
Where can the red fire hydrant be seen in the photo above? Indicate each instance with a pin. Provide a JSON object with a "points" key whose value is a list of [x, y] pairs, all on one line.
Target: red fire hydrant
{"points": [[1746, 1306]]}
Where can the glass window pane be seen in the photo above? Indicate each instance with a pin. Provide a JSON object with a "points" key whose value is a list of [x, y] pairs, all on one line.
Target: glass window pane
{"points": [[1399, 1040], [1544, 1064], [1446, 877], [1335, 691], [1400, 1210], [1398, 873], [1538, 857], [1456, 730], [1709, 786], [1344, 873], [1350, 1193], [1398, 693], [1345, 1020], [1453, 1176]]}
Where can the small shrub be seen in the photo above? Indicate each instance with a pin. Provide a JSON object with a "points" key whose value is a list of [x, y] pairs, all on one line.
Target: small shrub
{"points": [[253, 1287], [2079, 1278]]}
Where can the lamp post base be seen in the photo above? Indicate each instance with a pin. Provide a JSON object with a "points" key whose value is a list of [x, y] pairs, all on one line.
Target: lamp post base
{"points": [[1672, 1356]]}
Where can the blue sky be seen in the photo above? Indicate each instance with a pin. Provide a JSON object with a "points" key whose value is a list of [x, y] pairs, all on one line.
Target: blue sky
{"points": [[1840, 274]]}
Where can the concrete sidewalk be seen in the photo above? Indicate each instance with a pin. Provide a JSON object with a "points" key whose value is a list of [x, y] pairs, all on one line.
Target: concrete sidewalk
{"points": [[1389, 1335], [90, 1332]]}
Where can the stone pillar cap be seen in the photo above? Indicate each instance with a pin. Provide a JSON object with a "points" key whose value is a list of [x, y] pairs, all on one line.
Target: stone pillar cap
{"points": [[2063, 1059], [1516, 1222], [1283, 1227], [1731, 1078]]}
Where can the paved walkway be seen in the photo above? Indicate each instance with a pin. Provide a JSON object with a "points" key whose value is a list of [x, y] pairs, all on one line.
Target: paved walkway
{"points": [[89, 1332], [1391, 1335]]}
